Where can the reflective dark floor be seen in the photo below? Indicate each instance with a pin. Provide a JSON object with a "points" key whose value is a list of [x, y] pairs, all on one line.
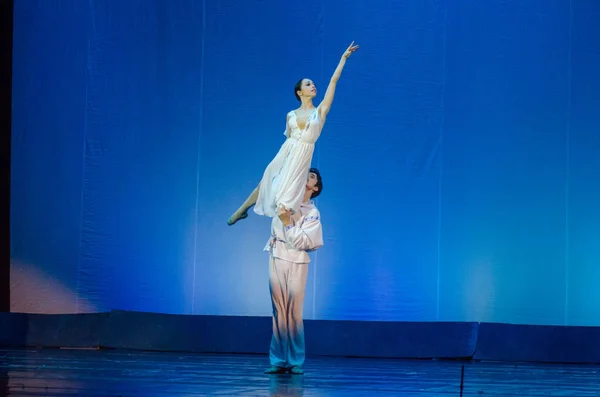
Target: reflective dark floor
{"points": [[117, 373]]}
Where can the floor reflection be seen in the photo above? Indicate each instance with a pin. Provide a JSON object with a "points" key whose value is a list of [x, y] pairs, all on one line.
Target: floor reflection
{"points": [[58, 372], [287, 385]]}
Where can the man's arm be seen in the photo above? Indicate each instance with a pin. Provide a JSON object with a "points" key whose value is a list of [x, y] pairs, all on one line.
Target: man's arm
{"points": [[307, 236]]}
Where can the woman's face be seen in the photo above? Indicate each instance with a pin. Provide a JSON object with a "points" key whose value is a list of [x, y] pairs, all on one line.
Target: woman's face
{"points": [[309, 89]]}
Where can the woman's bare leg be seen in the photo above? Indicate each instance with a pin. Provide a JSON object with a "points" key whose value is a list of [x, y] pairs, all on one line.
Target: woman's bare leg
{"points": [[242, 212]]}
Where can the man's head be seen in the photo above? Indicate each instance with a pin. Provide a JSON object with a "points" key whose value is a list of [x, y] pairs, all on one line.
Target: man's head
{"points": [[314, 184]]}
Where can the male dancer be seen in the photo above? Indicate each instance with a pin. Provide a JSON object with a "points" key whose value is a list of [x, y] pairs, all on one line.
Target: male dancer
{"points": [[292, 238]]}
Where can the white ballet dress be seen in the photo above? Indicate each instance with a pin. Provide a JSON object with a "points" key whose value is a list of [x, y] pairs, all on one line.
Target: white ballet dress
{"points": [[284, 181]]}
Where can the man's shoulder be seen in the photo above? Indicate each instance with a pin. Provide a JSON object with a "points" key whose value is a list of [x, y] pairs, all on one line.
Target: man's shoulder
{"points": [[313, 214]]}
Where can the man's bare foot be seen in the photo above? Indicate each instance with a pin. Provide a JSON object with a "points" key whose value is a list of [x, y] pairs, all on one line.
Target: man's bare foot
{"points": [[275, 370]]}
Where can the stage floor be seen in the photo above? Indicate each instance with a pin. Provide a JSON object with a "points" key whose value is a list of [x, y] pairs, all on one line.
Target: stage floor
{"points": [[49, 372]]}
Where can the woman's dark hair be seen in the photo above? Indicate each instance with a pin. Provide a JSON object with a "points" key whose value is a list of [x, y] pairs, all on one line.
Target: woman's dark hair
{"points": [[319, 183], [298, 87]]}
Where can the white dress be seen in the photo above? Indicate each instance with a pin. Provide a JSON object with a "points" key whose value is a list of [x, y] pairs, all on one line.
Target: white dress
{"points": [[284, 180]]}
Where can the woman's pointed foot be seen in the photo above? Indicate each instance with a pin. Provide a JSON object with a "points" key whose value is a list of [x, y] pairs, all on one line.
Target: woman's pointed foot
{"points": [[234, 218]]}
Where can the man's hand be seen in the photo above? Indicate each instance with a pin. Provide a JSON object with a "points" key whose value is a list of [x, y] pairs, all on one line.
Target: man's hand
{"points": [[285, 215]]}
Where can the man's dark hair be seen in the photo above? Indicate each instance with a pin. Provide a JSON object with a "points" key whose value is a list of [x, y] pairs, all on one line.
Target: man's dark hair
{"points": [[319, 183]]}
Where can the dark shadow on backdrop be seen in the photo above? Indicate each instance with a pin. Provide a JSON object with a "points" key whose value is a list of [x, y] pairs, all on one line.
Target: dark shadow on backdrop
{"points": [[6, 36]]}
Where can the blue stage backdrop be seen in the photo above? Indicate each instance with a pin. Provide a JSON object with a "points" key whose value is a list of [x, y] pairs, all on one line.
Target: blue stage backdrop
{"points": [[461, 158]]}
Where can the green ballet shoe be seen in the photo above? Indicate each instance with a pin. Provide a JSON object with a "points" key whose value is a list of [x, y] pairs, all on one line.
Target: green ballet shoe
{"points": [[231, 221]]}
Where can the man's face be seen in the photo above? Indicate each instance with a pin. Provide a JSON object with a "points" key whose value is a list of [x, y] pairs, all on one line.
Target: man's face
{"points": [[311, 182]]}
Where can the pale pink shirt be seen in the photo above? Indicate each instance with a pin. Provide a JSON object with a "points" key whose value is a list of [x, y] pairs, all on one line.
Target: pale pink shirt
{"points": [[304, 235]]}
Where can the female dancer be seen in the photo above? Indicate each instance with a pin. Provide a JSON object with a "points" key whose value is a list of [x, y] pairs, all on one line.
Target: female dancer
{"points": [[284, 180]]}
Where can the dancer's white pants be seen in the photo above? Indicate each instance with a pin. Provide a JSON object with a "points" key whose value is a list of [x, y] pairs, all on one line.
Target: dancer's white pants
{"points": [[287, 281]]}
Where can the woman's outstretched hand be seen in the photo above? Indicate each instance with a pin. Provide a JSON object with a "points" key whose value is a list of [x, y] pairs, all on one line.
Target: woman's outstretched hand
{"points": [[350, 50], [325, 104]]}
